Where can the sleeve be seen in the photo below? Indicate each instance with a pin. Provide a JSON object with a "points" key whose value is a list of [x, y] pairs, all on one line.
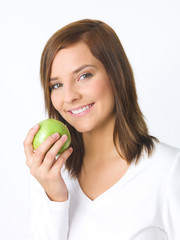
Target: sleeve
{"points": [[172, 204], [48, 219]]}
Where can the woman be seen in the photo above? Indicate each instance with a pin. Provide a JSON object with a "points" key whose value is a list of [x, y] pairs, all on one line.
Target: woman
{"points": [[115, 181]]}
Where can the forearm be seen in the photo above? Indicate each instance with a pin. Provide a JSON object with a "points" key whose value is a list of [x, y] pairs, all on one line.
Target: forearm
{"points": [[49, 220]]}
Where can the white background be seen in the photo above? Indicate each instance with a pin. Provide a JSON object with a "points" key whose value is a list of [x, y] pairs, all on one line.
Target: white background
{"points": [[150, 34]]}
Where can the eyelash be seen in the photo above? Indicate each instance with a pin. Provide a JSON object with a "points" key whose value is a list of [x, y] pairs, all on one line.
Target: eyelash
{"points": [[59, 85], [56, 86], [87, 75]]}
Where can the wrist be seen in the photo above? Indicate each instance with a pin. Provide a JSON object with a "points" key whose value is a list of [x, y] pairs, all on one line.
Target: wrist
{"points": [[58, 198]]}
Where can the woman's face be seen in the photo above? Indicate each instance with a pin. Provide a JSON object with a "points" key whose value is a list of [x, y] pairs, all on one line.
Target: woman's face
{"points": [[80, 88]]}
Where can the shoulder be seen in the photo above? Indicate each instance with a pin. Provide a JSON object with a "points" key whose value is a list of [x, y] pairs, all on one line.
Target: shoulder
{"points": [[164, 156], [165, 150], [160, 165]]}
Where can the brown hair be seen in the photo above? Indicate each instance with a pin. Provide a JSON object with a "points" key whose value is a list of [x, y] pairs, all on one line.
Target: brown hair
{"points": [[130, 130]]}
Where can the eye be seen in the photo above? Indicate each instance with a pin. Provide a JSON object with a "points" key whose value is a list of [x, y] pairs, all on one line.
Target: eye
{"points": [[84, 76], [55, 86]]}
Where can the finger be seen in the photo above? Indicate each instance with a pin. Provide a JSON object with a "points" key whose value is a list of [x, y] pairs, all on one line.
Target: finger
{"points": [[28, 147], [52, 153], [42, 150], [56, 168]]}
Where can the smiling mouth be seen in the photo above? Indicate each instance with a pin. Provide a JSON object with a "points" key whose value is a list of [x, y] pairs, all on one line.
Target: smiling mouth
{"points": [[82, 110]]}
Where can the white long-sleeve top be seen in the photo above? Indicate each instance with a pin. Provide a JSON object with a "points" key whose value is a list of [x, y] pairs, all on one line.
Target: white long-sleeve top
{"points": [[143, 205]]}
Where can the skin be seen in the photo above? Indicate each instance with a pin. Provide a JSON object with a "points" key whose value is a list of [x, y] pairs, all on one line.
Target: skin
{"points": [[79, 79], [89, 85], [43, 165]]}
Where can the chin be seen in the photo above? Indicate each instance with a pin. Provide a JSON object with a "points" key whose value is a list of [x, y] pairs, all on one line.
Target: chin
{"points": [[83, 128]]}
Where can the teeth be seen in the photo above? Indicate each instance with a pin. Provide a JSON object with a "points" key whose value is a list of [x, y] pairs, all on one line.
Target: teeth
{"points": [[81, 110]]}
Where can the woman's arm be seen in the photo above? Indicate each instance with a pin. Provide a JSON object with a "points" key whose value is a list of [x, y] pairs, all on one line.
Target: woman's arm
{"points": [[172, 202], [49, 219], [49, 194]]}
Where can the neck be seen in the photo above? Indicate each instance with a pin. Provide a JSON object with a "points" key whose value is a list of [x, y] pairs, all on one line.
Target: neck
{"points": [[99, 145]]}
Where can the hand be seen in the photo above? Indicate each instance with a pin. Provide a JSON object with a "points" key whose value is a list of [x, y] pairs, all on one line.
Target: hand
{"points": [[43, 165]]}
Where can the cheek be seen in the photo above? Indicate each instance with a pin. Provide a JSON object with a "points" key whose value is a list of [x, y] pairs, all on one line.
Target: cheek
{"points": [[104, 90], [108, 96], [99, 88], [56, 101]]}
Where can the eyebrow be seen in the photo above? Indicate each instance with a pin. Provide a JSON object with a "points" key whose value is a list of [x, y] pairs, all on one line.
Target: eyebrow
{"points": [[75, 71]]}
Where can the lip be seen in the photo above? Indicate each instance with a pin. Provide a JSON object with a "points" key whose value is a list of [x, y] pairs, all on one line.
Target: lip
{"points": [[82, 113], [77, 108]]}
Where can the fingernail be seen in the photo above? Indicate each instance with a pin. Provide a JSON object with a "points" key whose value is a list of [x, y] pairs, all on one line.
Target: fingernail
{"points": [[55, 135], [64, 138], [71, 149], [36, 126]]}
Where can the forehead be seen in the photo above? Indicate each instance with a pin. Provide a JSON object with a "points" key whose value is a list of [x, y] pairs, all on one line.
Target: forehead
{"points": [[76, 52], [72, 57]]}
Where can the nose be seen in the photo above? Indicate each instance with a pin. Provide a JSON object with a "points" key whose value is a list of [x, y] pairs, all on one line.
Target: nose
{"points": [[71, 94]]}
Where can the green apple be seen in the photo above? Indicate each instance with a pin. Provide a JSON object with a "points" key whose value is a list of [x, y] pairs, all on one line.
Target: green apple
{"points": [[47, 128]]}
